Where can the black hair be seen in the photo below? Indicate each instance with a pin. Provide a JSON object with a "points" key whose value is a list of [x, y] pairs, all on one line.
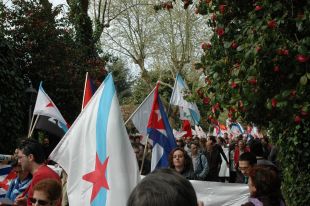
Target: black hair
{"points": [[31, 146], [163, 187], [213, 139], [248, 156], [256, 147]]}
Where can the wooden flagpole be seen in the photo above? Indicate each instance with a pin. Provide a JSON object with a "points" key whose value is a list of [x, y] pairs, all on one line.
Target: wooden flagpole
{"points": [[86, 77], [139, 106], [35, 122], [144, 153]]}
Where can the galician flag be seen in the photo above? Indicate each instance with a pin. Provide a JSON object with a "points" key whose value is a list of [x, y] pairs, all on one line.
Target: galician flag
{"points": [[188, 110], [96, 153], [160, 132], [50, 118]]}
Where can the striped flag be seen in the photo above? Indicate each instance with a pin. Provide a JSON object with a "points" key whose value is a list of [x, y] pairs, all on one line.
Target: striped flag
{"points": [[96, 153]]}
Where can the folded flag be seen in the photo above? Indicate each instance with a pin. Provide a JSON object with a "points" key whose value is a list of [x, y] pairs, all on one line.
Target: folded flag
{"points": [[142, 114], [160, 132], [236, 128], [96, 153], [50, 118], [6, 176], [188, 110]]}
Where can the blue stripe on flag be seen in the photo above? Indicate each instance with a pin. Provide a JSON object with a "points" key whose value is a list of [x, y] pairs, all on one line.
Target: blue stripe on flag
{"points": [[5, 170], [101, 129]]}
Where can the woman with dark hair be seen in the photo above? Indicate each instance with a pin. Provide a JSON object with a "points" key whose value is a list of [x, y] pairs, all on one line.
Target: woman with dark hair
{"points": [[163, 187], [46, 192], [264, 186], [181, 162]]}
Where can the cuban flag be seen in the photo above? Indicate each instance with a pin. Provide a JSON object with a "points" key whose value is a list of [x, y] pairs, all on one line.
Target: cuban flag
{"points": [[188, 110], [96, 153], [89, 90], [160, 132], [49, 117], [6, 176]]}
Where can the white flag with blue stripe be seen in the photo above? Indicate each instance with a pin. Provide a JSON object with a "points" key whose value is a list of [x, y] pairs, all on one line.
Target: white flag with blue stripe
{"points": [[188, 110], [97, 155]]}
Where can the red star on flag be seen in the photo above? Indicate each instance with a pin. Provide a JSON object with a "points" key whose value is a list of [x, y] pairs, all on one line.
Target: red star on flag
{"points": [[50, 104], [97, 177]]}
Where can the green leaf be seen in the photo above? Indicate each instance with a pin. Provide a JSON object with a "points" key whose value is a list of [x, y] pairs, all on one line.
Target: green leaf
{"points": [[239, 48], [227, 44], [308, 75], [303, 80]]}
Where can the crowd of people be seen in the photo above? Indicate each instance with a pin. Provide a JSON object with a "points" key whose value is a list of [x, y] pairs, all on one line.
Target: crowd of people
{"points": [[241, 159]]}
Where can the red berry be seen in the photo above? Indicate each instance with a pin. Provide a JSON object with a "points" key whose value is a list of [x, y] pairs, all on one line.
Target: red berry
{"points": [[258, 48]]}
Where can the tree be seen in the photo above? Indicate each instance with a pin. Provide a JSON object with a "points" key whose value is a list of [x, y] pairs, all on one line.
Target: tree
{"points": [[257, 68], [12, 91], [122, 79], [45, 50]]}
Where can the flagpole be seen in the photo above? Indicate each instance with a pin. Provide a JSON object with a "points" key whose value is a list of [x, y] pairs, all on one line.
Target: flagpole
{"points": [[139, 107], [144, 153], [86, 76], [30, 125], [173, 90], [35, 122]]}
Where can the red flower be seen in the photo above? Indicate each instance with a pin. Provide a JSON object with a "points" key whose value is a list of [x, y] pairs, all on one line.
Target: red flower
{"points": [[234, 85], [301, 58], [220, 31], [222, 8], [297, 119], [274, 102], [258, 48], [293, 93], [252, 81], [283, 52], [258, 8], [276, 68], [234, 45], [213, 17], [272, 24], [205, 45], [206, 100]]}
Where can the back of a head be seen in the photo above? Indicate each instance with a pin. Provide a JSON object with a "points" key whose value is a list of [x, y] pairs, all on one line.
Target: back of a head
{"points": [[51, 187], [256, 148], [267, 182], [31, 146], [164, 187], [249, 157]]}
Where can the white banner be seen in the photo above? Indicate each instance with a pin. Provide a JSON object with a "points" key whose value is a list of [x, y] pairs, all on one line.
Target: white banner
{"points": [[218, 193]]}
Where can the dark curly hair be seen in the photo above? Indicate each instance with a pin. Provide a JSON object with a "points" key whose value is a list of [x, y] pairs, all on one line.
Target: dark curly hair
{"points": [[187, 159]]}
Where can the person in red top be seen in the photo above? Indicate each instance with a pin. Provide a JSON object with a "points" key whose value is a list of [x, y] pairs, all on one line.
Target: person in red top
{"points": [[31, 158]]}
